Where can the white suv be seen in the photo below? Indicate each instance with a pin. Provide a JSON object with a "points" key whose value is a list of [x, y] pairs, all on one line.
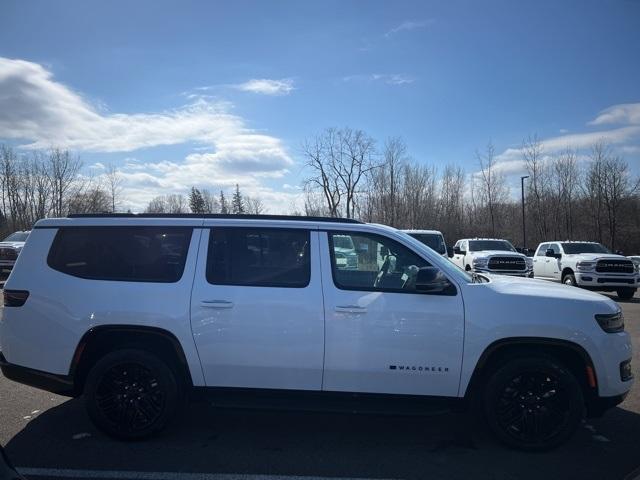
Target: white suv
{"points": [[588, 265], [431, 238], [133, 311], [491, 255]]}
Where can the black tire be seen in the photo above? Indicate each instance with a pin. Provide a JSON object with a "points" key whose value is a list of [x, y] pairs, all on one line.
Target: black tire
{"points": [[569, 279], [533, 403], [131, 394], [626, 293]]}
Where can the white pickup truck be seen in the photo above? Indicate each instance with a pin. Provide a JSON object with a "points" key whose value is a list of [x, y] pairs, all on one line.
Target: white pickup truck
{"points": [[491, 255], [588, 265]]}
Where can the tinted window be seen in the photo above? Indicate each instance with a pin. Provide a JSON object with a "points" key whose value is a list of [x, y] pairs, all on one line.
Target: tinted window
{"points": [[378, 264], [130, 254], [583, 247], [259, 257], [480, 245], [431, 240]]}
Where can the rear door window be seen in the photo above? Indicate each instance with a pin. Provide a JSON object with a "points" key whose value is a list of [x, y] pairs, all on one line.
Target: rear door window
{"points": [[129, 254], [259, 257]]}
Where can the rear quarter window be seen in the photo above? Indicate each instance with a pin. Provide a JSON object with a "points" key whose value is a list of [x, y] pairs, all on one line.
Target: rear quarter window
{"points": [[128, 254]]}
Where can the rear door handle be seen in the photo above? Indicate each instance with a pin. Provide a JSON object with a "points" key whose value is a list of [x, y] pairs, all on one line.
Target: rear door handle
{"points": [[216, 304], [350, 309]]}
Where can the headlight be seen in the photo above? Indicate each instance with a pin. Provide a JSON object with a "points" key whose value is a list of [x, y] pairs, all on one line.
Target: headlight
{"points": [[611, 322], [585, 266], [480, 262]]}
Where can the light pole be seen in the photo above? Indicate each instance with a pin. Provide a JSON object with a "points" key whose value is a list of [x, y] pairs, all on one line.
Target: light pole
{"points": [[524, 224]]}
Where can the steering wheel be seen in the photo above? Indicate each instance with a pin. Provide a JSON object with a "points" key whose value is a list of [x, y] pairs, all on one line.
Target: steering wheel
{"points": [[384, 269]]}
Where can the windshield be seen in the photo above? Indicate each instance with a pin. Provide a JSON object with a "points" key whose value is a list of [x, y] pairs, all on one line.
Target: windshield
{"points": [[480, 245], [343, 241], [17, 237], [584, 247], [431, 240]]}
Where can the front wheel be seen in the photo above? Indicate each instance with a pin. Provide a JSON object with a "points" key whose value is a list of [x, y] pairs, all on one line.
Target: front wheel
{"points": [[626, 293], [131, 394], [533, 403], [569, 279]]}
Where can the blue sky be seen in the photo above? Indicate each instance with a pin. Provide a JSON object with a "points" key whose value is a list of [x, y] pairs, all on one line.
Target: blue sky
{"points": [[214, 93]]}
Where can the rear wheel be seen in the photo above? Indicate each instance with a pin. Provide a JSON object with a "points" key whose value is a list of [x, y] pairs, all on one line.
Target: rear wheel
{"points": [[533, 403], [626, 293], [569, 279], [131, 394]]}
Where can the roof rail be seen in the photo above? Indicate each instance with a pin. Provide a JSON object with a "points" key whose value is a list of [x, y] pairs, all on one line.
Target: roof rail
{"points": [[214, 215]]}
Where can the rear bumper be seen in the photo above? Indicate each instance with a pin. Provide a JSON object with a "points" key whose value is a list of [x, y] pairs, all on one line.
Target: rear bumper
{"points": [[59, 384]]}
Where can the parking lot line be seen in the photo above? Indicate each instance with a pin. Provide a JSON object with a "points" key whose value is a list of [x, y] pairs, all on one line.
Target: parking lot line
{"points": [[134, 475]]}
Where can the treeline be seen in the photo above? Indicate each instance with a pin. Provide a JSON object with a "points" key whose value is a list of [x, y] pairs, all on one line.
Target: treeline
{"points": [[202, 201], [36, 185], [567, 197]]}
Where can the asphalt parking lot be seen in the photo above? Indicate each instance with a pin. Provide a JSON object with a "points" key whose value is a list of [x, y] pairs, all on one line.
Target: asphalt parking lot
{"points": [[48, 436]]}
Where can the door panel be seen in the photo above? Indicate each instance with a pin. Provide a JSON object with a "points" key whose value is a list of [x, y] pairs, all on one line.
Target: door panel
{"points": [[388, 341], [258, 336]]}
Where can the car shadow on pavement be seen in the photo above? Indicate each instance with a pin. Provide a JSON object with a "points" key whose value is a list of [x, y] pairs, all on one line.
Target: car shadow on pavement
{"points": [[211, 440]]}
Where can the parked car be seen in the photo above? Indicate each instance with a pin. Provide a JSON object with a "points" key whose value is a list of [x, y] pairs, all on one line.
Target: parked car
{"points": [[588, 265], [431, 238], [344, 252], [491, 255], [254, 310], [10, 248]]}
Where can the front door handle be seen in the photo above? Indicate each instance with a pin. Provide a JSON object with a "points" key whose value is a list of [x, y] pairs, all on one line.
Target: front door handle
{"points": [[350, 309], [216, 304]]}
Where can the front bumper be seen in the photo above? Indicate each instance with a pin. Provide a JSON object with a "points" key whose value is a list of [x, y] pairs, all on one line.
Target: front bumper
{"points": [[597, 406], [59, 384], [599, 280], [511, 273]]}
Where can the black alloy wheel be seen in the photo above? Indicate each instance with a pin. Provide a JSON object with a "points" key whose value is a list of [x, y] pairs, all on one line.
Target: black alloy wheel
{"points": [[533, 403], [131, 394]]}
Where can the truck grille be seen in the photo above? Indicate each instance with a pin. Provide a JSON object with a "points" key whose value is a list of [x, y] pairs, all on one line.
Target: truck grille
{"points": [[614, 266], [507, 263], [8, 254], [352, 261]]}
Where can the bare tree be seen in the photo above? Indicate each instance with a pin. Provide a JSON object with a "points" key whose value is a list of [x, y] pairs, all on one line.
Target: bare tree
{"points": [[538, 184], [114, 184], [492, 187], [64, 170], [254, 206], [339, 160]]}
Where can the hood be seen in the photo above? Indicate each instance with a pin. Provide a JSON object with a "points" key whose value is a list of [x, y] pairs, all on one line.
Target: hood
{"points": [[543, 289], [501, 253], [12, 244]]}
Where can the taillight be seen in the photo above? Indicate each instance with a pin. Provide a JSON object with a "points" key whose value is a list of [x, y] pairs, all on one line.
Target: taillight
{"points": [[15, 298]]}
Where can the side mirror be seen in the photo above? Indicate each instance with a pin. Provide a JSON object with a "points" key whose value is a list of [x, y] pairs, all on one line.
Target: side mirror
{"points": [[450, 252], [619, 252], [550, 253], [457, 251], [432, 281]]}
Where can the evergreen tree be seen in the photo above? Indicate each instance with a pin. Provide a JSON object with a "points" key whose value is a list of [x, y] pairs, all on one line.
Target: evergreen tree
{"points": [[237, 203], [224, 206], [196, 201]]}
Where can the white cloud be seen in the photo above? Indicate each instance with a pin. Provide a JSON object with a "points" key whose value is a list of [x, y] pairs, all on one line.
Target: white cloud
{"points": [[625, 113], [408, 25], [387, 78], [40, 112], [266, 86]]}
